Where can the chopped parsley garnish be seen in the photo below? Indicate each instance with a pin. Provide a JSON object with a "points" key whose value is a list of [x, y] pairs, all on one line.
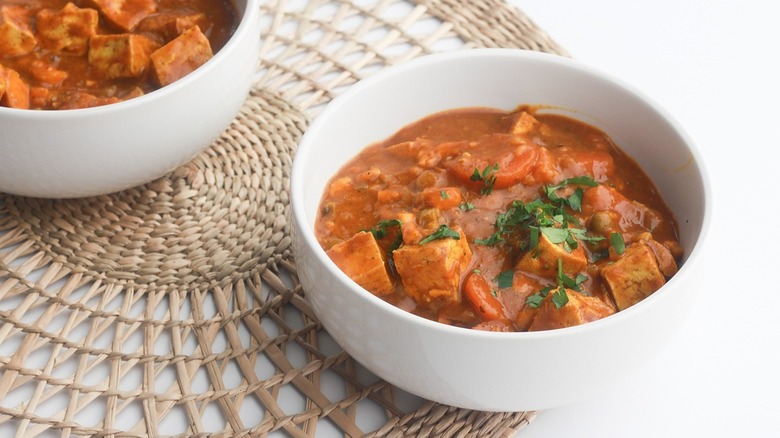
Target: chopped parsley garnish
{"points": [[381, 228], [524, 222], [559, 297], [487, 176], [573, 201], [617, 243], [536, 299], [467, 206], [505, 279], [444, 194], [443, 232]]}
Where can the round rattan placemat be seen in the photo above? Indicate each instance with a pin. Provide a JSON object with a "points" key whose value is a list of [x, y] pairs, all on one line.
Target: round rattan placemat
{"points": [[173, 308]]}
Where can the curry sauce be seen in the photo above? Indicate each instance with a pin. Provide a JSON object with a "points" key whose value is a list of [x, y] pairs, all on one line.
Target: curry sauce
{"points": [[502, 221]]}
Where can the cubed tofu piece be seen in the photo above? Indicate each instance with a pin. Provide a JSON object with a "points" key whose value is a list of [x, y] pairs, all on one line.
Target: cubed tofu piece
{"points": [[170, 24], [578, 310], [16, 92], [126, 14], [16, 35], [431, 272], [362, 260], [544, 260], [181, 56], [634, 276], [67, 30], [524, 124], [121, 55]]}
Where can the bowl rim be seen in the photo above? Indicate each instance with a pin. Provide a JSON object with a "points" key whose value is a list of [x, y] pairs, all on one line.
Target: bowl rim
{"points": [[250, 16], [307, 234]]}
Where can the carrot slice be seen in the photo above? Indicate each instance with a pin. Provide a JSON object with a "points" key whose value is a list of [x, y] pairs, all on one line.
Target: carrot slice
{"points": [[513, 158]]}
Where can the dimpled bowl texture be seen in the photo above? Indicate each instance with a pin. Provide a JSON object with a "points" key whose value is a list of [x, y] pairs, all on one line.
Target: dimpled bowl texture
{"points": [[484, 370], [92, 151]]}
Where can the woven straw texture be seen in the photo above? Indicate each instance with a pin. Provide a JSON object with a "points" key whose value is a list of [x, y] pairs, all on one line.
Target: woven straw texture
{"points": [[173, 308]]}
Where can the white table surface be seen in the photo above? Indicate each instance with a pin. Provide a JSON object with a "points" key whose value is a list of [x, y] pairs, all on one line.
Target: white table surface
{"points": [[713, 65]]}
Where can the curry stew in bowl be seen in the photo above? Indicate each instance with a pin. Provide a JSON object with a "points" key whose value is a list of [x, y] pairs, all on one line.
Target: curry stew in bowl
{"points": [[69, 54], [500, 221]]}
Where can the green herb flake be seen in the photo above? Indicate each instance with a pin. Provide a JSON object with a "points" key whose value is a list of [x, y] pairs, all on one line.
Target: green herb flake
{"points": [[533, 238], [487, 176], [572, 283], [381, 228], [505, 279], [573, 201], [617, 243], [535, 300], [560, 298], [467, 206], [444, 194], [443, 232], [556, 235]]}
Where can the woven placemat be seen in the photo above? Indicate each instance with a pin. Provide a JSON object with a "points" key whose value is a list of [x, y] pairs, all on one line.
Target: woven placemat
{"points": [[173, 308]]}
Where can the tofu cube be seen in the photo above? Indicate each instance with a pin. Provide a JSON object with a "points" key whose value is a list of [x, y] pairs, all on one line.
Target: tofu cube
{"points": [[16, 35], [544, 260], [431, 272], [15, 92], [578, 310], [181, 56], [363, 260], [126, 14], [170, 24], [121, 55], [67, 30], [524, 124], [634, 276]]}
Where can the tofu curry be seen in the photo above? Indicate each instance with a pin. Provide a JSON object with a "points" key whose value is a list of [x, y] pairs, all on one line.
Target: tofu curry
{"points": [[500, 221], [61, 54]]}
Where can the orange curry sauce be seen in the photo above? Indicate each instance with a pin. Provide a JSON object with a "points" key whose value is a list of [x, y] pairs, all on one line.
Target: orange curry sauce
{"points": [[456, 173]]}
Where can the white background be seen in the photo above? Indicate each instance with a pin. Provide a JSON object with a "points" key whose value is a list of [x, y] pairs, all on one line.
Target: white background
{"points": [[714, 66]]}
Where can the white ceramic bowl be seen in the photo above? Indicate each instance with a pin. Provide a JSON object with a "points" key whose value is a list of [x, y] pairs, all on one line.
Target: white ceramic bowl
{"points": [[476, 369], [91, 151]]}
